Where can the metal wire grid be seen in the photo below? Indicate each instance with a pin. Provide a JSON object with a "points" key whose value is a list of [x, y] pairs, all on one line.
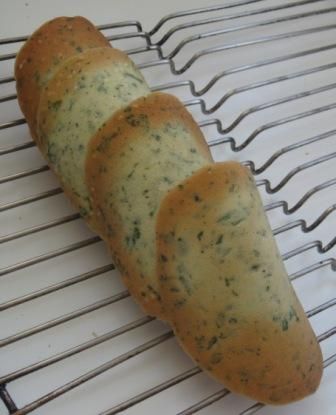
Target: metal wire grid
{"points": [[156, 41]]}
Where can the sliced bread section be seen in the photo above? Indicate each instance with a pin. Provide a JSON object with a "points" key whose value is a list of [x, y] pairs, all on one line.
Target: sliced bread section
{"points": [[44, 51], [84, 92], [133, 161]]}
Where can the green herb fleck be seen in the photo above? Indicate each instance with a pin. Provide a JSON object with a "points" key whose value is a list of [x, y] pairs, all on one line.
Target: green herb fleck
{"points": [[200, 235], [219, 240], [54, 105], [102, 88], [255, 267], [157, 137], [132, 240], [212, 342], [200, 342], [180, 303], [216, 358], [37, 77], [284, 324], [163, 258]]}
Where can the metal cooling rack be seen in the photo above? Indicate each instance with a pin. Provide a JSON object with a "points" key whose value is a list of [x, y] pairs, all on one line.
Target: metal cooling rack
{"points": [[259, 77]]}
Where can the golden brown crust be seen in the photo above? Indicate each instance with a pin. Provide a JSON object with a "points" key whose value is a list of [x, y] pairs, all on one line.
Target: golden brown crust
{"points": [[120, 131], [225, 290], [47, 47]]}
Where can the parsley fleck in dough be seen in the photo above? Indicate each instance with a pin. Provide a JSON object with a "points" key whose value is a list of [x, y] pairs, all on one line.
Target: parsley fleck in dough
{"points": [[85, 91], [140, 154], [44, 51], [227, 294]]}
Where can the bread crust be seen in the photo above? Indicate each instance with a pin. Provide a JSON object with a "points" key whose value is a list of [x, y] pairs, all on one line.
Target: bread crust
{"points": [[46, 48], [226, 292], [109, 157]]}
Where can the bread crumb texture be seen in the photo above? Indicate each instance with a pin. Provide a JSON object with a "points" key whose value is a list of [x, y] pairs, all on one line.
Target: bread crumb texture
{"points": [[133, 161], [85, 91]]}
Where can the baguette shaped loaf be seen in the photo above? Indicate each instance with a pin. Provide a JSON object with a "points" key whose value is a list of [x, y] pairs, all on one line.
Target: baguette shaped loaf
{"points": [[225, 290], [84, 92], [133, 161], [44, 51]]}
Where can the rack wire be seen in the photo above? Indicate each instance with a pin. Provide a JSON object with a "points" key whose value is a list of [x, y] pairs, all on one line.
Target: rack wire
{"points": [[265, 69]]}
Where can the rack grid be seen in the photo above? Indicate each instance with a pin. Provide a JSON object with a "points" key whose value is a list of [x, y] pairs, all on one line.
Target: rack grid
{"points": [[258, 77]]}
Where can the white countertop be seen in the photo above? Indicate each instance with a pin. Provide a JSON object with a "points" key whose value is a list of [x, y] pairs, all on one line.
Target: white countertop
{"points": [[24, 16]]}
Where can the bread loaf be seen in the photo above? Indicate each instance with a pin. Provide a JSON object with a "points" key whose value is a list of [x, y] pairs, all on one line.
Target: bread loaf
{"points": [[141, 152], [226, 292], [190, 237], [83, 93], [44, 51]]}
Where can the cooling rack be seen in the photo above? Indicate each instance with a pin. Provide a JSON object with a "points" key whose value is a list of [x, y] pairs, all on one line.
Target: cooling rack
{"points": [[259, 78]]}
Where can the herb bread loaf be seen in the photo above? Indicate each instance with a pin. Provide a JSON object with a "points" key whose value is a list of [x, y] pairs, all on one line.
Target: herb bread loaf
{"points": [[190, 237], [44, 51], [225, 290], [83, 93], [140, 153]]}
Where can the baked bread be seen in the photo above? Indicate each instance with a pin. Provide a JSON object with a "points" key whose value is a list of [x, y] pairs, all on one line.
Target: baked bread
{"points": [[189, 237], [142, 151], [225, 290], [44, 51], [83, 93]]}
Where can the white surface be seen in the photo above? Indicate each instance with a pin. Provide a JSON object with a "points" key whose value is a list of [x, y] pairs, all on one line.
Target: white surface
{"points": [[167, 360], [24, 16]]}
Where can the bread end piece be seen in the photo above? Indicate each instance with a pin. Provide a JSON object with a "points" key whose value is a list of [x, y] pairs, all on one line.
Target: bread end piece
{"points": [[45, 49], [226, 292]]}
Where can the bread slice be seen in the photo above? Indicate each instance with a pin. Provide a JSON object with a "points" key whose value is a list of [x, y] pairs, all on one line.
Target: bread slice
{"points": [[133, 161], [84, 92], [44, 51], [226, 292]]}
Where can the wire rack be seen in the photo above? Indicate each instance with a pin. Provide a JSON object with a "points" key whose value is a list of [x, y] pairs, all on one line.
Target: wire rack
{"points": [[259, 78]]}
